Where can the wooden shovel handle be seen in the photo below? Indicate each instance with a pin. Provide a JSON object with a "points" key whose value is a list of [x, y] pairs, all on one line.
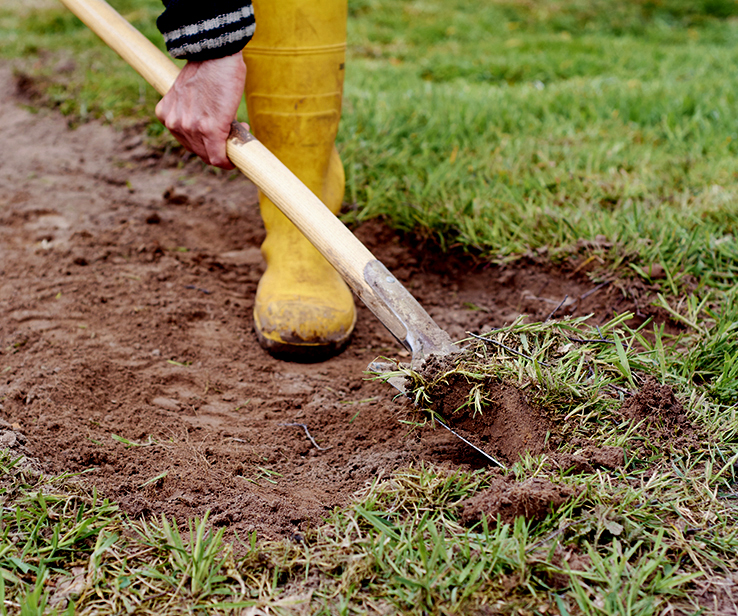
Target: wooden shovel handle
{"points": [[392, 304]]}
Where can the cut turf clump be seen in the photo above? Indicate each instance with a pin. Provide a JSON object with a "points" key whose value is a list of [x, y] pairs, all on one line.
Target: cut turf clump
{"points": [[508, 424], [532, 388]]}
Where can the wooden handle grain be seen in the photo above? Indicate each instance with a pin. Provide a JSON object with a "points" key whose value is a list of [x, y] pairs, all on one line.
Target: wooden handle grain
{"points": [[328, 234]]}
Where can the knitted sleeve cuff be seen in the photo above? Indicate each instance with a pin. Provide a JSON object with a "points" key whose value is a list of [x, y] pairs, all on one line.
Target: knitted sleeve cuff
{"points": [[196, 30]]}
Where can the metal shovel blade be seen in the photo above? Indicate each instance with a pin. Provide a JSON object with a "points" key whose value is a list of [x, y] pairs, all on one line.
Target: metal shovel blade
{"points": [[415, 330], [410, 324]]}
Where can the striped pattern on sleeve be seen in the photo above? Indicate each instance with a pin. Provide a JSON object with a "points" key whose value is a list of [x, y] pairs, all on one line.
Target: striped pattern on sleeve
{"points": [[196, 30]]}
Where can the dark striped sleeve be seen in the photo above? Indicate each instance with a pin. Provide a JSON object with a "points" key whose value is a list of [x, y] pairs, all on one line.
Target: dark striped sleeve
{"points": [[197, 30]]}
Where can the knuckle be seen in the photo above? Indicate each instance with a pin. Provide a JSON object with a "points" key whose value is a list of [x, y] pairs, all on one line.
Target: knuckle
{"points": [[187, 125], [208, 128]]}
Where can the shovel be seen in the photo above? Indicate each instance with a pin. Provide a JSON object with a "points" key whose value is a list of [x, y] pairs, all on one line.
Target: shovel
{"points": [[370, 280]]}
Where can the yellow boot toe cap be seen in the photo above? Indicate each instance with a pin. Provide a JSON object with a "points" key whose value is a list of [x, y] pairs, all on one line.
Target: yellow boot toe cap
{"points": [[303, 329]]}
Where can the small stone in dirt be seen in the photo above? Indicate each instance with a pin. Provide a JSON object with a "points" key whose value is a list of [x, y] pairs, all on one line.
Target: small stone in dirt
{"points": [[8, 439], [166, 403], [153, 219], [172, 197], [533, 499], [656, 272]]}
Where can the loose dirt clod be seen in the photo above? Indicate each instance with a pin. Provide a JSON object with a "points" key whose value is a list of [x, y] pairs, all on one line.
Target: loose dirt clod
{"points": [[562, 558], [656, 404], [533, 499], [590, 459], [665, 422]]}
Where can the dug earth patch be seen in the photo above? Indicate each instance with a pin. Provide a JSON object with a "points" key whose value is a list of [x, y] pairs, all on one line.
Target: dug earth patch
{"points": [[127, 353], [508, 426]]}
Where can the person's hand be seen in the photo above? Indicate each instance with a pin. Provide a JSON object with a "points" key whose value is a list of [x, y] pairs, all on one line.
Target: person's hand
{"points": [[202, 103]]}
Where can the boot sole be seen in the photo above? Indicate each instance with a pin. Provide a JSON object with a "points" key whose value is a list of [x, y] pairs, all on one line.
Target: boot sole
{"points": [[302, 353]]}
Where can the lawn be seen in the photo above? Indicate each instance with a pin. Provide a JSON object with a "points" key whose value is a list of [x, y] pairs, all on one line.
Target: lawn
{"points": [[563, 132]]}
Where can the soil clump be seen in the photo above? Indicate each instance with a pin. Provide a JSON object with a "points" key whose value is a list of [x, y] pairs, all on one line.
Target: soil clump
{"points": [[590, 459], [656, 404], [127, 351], [507, 427], [507, 499], [504, 424], [664, 419]]}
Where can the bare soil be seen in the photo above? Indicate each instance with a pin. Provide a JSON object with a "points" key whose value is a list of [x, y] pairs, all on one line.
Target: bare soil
{"points": [[509, 424], [127, 350]]}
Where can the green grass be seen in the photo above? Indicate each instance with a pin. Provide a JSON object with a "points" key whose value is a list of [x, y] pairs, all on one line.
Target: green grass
{"points": [[502, 127], [592, 128], [506, 127]]}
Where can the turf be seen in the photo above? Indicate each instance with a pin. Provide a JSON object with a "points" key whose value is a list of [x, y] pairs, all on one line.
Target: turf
{"points": [[504, 127], [599, 129]]}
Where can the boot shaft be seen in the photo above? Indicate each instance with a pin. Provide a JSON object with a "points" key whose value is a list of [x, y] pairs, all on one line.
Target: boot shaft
{"points": [[294, 85]]}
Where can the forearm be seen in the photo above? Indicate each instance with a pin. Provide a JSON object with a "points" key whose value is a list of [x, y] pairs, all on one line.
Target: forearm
{"points": [[202, 103], [200, 30]]}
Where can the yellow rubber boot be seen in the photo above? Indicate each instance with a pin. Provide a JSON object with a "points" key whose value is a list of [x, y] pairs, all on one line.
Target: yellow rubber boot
{"points": [[303, 309]]}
